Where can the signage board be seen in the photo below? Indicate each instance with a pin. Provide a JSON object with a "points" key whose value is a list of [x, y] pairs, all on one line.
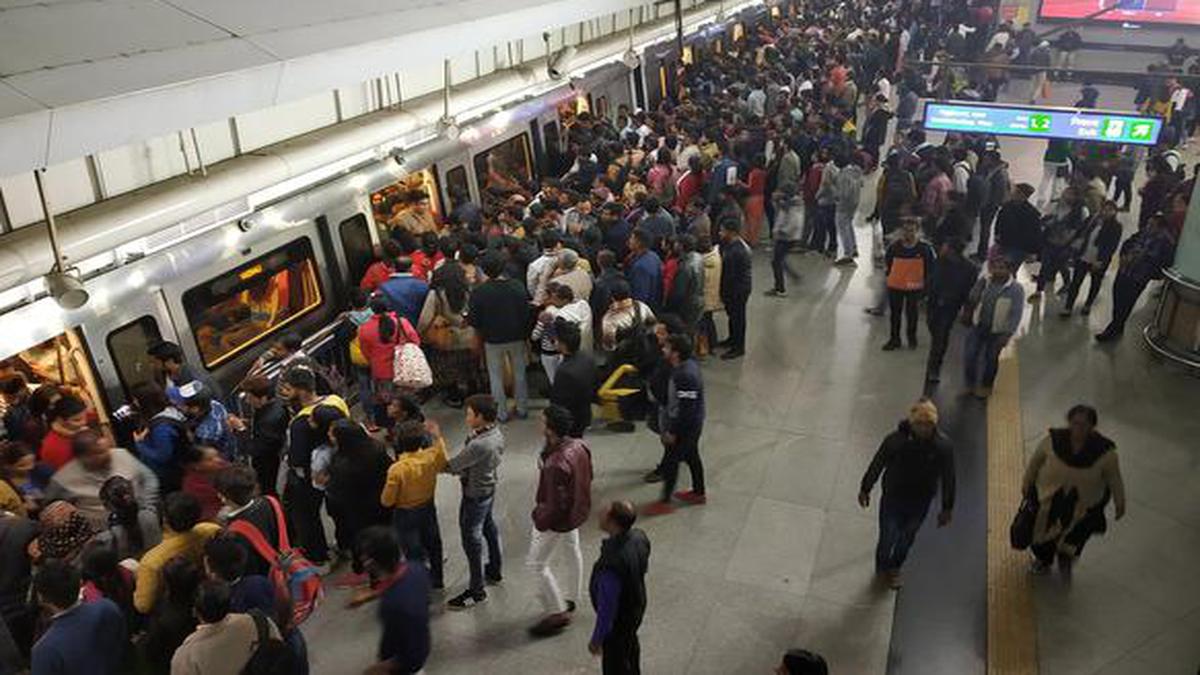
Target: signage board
{"points": [[1072, 124]]}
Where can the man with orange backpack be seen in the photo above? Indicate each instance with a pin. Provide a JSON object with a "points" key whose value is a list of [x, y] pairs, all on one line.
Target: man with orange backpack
{"points": [[908, 264]]}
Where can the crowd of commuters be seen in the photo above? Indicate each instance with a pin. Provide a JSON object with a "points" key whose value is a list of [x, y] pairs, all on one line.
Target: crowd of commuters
{"points": [[154, 544]]}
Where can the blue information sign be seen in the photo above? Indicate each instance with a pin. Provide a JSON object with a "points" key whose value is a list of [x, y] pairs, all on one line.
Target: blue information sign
{"points": [[1071, 124]]}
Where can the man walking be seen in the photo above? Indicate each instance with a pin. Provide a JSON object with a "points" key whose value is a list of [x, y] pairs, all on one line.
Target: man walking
{"points": [[682, 425], [564, 499], [914, 460], [499, 311], [949, 286], [476, 467], [735, 285], [994, 314], [576, 380], [618, 591]]}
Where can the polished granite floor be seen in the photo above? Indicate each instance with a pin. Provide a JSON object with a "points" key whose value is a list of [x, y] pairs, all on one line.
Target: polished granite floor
{"points": [[782, 555]]}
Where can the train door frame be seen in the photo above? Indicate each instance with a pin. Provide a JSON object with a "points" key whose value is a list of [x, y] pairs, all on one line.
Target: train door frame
{"points": [[152, 305], [459, 160], [637, 86]]}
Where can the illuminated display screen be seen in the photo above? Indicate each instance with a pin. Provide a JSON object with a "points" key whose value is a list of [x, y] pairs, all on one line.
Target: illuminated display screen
{"points": [[1037, 122], [1183, 12]]}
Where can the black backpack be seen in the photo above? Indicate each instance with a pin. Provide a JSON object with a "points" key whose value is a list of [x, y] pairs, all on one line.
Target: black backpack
{"points": [[271, 656]]}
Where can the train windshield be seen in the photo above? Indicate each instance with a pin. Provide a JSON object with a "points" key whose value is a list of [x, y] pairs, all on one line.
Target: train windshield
{"points": [[411, 203], [505, 169], [246, 305]]}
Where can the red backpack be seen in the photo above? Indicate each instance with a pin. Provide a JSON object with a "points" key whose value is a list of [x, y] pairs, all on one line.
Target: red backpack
{"points": [[293, 575]]}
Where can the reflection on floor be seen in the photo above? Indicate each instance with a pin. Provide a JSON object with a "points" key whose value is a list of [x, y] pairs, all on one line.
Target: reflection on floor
{"points": [[782, 556]]}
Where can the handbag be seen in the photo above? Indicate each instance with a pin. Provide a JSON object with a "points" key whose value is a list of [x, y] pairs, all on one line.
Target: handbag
{"points": [[1020, 533], [409, 367]]}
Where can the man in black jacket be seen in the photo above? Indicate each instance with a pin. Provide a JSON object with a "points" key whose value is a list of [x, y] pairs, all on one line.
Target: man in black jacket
{"points": [[618, 591], [735, 285], [499, 311], [1019, 226], [267, 431], [914, 459], [949, 286], [576, 378], [236, 486]]}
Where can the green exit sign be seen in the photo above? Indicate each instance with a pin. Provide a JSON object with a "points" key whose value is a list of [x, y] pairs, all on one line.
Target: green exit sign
{"points": [[1141, 131], [1039, 123]]}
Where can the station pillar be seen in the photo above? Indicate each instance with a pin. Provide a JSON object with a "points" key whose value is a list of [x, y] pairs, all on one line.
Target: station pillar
{"points": [[1175, 331]]}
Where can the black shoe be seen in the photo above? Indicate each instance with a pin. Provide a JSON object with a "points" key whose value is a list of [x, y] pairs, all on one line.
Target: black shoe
{"points": [[466, 600], [621, 426], [725, 343], [733, 354], [492, 579], [550, 625], [652, 477], [1107, 336], [1085, 310], [912, 342], [891, 345], [570, 607]]}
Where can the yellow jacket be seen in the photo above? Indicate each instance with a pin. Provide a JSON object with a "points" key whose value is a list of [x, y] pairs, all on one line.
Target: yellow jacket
{"points": [[412, 478], [174, 544]]}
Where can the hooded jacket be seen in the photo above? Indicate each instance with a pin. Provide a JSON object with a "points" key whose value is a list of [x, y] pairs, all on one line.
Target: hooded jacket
{"points": [[912, 467], [564, 491]]}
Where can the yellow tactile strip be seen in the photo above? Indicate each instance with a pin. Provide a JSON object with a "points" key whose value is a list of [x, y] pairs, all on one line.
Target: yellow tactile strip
{"points": [[1012, 633]]}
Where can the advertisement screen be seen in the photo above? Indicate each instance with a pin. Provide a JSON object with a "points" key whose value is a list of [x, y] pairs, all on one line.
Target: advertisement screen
{"points": [[1130, 11], [1041, 122]]}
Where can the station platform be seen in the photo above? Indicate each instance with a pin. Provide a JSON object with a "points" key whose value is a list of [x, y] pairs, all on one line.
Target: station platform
{"points": [[782, 556]]}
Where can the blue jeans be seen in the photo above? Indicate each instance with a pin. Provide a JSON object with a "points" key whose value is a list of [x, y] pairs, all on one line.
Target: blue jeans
{"points": [[494, 355], [421, 538], [477, 526], [982, 345], [898, 525]]}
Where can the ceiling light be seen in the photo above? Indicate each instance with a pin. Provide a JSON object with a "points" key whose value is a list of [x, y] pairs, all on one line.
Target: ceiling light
{"points": [[66, 288]]}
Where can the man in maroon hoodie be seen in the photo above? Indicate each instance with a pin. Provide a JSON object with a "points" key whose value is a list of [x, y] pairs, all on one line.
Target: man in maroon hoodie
{"points": [[564, 500]]}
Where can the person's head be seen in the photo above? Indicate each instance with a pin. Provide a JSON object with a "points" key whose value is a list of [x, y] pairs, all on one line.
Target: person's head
{"points": [[999, 269], [167, 356], [1082, 420], [203, 459], [953, 247], [212, 601], [43, 398], [1021, 192], [181, 512], [801, 662], [492, 265], [377, 551], [556, 424], [621, 291], [298, 385], [150, 399], [730, 230], [56, 584], [286, 345], [225, 558], [404, 407], [1108, 210], [567, 260], [678, 349], [606, 260], [923, 418], [13, 388], [349, 436], [618, 518], [259, 391], [118, 496], [567, 335], [16, 459], [92, 449], [561, 295], [99, 563], [652, 205], [69, 415], [181, 577], [322, 419], [667, 325], [480, 410], [910, 230], [197, 401], [640, 240], [236, 485], [409, 436], [1070, 196], [403, 264]]}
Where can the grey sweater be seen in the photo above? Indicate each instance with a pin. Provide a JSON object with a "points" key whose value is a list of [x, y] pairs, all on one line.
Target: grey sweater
{"points": [[476, 465]]}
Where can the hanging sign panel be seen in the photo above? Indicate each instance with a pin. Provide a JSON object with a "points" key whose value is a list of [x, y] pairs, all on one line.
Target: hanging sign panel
{"points": [[1070, 124]]}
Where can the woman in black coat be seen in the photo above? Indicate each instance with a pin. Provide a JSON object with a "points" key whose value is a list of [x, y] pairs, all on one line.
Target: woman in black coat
{"points": [[357, 473]]}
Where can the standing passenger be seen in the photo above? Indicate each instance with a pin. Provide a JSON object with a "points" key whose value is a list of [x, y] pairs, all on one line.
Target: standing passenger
{"points": [[683, 424], [618, 591], [476, 466], [499, 312]]}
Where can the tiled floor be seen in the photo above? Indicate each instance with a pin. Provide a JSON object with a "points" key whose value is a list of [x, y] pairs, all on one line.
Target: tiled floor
{"points": [[782, 555]]}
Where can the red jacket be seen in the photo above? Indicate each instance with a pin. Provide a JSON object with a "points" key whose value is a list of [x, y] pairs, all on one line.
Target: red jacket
{"points": [[378, 353], [376, 274], [564, 492], [423, 264], [688, 187]]}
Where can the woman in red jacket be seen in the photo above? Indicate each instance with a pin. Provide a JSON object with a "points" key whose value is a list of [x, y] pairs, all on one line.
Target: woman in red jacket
{"points": [[378, 339], [754, 205]]}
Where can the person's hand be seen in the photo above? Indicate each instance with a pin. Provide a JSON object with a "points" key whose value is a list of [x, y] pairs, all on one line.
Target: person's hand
{"points": [[236, 423], [595, 648], [864, 499], [944, 518], [669, 438], [1120, 511], [434, 429], [140, 435]]}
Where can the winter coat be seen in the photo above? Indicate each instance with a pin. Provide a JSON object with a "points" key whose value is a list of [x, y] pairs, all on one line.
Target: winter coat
{"points": [[564, 491]]}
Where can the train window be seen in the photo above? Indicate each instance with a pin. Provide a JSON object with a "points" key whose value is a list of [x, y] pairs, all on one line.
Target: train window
{"points": [[689, 57], [127, 345], [505, 169], [553, 143], [776, 12], [356, 244], [602, 107], [246, 305], [662, 80], [456, 183], [403, 203], [62, 361], [739, 31]]}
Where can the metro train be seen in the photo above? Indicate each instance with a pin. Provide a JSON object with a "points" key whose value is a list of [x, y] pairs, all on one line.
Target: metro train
{"points": [[225, 293]]}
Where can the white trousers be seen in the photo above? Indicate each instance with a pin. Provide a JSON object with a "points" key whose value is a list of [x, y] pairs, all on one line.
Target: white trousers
{"points": [[541, 548]]}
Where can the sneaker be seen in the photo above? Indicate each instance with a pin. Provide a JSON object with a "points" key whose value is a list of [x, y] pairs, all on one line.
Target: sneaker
{"points": [[891, 345], [1107, 336], [776, 293], [652, 477], [466, 600], [874, 311], [552, 624], [691, 497], [846, 261], [981, 393], [658, 509], [1036, 296], [733, 354]]}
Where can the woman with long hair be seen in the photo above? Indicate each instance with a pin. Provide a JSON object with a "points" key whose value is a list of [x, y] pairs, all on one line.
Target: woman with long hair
{"points": [[450, 340], [357, 473], [132, 529], [378, 338]]}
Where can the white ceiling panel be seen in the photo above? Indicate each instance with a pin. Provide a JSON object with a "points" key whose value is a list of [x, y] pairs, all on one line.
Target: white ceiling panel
{"points": [[48, 36]]}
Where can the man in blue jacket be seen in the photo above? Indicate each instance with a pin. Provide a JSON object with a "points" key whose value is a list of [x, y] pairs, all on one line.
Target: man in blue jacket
{"points": [[644, 270], [404, 293], [682, 425], [82, 637]]}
